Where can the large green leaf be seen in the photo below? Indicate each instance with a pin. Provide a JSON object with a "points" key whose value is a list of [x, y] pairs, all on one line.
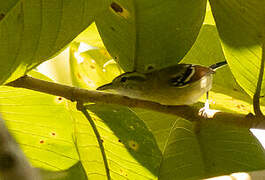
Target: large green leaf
{"points": [[41, 125], [240, 24], [181, 156], [130, 148], [229, 149], [150, 34], [32, 31], [197, 151]]}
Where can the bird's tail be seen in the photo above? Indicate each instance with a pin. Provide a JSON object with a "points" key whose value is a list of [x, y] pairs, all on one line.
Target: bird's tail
{"points": [[217, 65]]}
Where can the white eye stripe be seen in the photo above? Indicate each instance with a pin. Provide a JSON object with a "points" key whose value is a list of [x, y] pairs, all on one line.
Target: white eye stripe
{"points": [[190, 75]]}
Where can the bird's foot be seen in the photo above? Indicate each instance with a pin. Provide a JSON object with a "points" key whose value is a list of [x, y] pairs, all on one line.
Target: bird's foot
{"points": [[206, 112]]}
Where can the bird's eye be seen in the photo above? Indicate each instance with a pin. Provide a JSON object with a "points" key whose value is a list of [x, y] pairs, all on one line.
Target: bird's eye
{"points": [[123, 79]]}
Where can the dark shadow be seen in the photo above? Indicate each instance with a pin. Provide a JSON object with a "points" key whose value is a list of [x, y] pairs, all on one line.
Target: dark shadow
{"points": [[132, 133]]}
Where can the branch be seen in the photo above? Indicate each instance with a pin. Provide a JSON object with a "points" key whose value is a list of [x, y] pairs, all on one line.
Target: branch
{"points": [[83, 95], [82, 108], [13, 164], [256, 98]]}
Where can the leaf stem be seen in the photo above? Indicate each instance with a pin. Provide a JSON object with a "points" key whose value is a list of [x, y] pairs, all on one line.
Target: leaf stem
{"points": [[256, 98], [82, 108]]}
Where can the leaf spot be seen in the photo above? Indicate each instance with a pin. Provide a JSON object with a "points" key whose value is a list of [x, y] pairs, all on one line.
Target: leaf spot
{"points": [[112, 28], [149, 67], [133, 145], [53, 133], [117, 8], [79, 76], [41, 141], [58, 100], [92, 67]]}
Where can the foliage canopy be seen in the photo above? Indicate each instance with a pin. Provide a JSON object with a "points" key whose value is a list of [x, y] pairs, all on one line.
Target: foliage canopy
{"points": [[103, 38]]}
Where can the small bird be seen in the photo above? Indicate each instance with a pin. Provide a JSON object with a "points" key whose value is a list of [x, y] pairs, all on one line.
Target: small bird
{"points": [[181, 84]]}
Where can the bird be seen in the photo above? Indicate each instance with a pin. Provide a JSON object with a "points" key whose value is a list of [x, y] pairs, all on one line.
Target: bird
{"points": [[180, 84]]}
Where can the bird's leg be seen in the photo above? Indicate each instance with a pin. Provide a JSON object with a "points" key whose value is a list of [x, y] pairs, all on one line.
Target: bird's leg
{"points": [[206, 112]]}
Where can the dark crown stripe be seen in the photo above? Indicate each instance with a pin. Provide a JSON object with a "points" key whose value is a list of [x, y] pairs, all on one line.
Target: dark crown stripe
{"points": [[187, 74]]}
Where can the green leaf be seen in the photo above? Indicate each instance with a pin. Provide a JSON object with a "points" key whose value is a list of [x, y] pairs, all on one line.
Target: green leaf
{"points": [[41, 125], [130, 148], [196, 151], [240, 25], [33, 31], [90, 36], [228, 149], [181, 156], [5, 6], [150, 34], [91, 68], [75, 172]]}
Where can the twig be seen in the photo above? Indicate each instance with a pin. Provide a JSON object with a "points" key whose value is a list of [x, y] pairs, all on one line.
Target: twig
{"points": [[13, 164], [83, 95], [256, 98], [81, 108]]}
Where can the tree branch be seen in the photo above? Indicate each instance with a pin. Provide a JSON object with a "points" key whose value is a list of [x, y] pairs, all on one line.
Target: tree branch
{"points": [[83, 95]]}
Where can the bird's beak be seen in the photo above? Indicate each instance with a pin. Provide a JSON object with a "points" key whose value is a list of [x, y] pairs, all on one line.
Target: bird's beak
{"points": [[105, 86]]}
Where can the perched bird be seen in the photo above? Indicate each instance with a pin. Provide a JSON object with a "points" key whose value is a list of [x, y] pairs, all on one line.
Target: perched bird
{"points": [[182, 84]]}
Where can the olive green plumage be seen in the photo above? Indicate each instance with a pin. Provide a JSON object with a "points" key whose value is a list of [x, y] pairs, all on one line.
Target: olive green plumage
{"points": [[181, 84]]}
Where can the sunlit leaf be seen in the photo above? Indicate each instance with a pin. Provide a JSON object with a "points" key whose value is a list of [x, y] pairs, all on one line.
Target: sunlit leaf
{"points": [[92, 68], [41, 125], [90, 36], [130, 148]]}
